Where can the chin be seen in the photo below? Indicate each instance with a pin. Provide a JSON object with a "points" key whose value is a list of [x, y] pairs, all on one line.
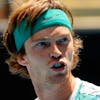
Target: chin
{"points": [[57, 79]]}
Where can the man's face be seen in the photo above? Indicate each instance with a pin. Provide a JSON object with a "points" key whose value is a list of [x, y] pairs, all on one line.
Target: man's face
{"points": [[49, 54]]}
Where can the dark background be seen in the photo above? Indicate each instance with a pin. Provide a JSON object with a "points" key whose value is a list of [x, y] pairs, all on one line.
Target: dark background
{"points": [[15, 88]]}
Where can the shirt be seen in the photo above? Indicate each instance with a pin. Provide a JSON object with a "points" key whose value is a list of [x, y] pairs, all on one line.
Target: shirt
{"points": [[84, 91]]}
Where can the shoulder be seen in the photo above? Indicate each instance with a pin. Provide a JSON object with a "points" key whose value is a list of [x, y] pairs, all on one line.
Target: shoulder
{"points": [[91, 89], [36, 98]]}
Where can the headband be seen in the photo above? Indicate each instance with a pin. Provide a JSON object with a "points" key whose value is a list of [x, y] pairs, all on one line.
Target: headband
{"points": [[51, 17]]}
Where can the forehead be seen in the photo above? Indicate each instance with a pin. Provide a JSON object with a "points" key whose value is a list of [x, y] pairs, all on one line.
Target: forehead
{"points": [[55, 31]]}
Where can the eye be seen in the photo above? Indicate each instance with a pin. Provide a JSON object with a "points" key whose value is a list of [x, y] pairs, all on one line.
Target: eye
{"points": [[42, 44], [63, 40]]}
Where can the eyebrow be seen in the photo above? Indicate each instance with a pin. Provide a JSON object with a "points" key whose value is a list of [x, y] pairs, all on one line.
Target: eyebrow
{"points": [[40, 39], [46, 38]]}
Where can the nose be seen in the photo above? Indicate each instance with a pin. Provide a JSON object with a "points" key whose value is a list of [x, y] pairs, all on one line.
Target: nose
{"points": [[55, 53]]}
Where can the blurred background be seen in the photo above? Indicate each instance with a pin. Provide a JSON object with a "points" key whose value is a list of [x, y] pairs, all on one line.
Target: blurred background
{"points": [[86, 15]]}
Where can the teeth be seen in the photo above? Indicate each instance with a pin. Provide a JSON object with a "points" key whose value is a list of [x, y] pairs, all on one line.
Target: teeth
{"points": [[57, 65]]}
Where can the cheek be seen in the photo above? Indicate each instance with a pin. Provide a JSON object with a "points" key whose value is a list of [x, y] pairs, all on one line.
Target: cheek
{"points": [[69, 51], [38, 69], [37, 58], [69, 54], [38, 53]]}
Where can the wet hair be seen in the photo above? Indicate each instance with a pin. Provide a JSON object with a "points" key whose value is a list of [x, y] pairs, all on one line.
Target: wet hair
{"points": [[31, 9]]}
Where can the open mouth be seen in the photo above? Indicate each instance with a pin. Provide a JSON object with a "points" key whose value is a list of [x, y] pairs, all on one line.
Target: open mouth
{"points": [[59, 66]]}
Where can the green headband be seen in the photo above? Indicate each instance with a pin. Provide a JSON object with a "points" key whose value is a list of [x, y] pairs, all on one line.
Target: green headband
{"points": [[51, 17]]}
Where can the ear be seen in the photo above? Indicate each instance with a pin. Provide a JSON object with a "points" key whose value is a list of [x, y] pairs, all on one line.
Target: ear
{"points": [[22, 60]]}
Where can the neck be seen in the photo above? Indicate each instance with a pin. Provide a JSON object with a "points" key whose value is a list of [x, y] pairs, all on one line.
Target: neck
{"points": [[60, 91]]}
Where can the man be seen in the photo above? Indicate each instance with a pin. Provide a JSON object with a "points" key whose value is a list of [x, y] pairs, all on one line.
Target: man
{"points": [[43, 47]]}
